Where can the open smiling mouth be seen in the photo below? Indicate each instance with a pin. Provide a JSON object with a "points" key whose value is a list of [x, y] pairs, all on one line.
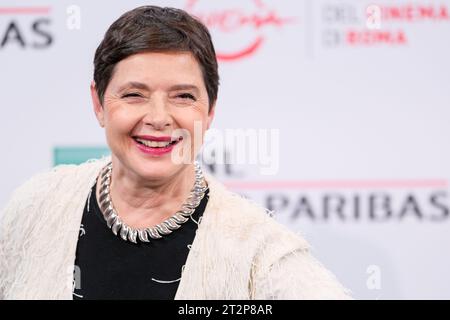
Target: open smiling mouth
{"points": [[157, 144]]}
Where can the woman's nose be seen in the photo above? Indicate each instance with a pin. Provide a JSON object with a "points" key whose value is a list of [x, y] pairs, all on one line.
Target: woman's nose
{"points": [[157, 114]]}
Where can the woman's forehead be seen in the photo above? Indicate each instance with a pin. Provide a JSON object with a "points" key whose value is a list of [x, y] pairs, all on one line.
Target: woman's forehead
{"points": [[152, 68], [167, 61]]}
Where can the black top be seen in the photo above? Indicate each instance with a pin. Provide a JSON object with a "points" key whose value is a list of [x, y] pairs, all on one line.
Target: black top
{"points": [[107, 267]]}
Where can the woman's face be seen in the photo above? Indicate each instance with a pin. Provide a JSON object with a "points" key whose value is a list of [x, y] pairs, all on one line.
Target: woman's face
{"points": [[153, 96]]}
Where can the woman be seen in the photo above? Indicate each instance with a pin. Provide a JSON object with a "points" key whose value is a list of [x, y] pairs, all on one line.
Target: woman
{"points": [[146, 223]]}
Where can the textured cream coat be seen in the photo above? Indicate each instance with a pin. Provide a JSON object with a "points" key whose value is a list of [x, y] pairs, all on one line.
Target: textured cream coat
{"points": [[239, 251]]}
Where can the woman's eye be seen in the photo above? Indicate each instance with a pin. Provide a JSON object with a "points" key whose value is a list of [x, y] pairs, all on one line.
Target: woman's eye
{"points": [[186, 96], [132, 95]]}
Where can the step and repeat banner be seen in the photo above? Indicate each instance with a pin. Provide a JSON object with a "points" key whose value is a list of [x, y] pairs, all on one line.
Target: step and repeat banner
{"points": [[333, 114]]}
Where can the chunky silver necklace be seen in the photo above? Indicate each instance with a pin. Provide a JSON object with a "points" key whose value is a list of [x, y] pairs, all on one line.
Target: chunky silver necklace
{"points": [[126, 232]]}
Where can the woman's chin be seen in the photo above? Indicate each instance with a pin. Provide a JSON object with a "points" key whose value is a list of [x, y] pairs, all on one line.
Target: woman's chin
{"points": [[157, 170]]}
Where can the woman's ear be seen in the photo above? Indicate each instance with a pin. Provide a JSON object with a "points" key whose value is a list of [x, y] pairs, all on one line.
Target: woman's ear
{"points": [[211, 113], [98, 108]]}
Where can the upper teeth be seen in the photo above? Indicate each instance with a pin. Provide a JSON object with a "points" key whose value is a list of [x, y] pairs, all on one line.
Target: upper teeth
{"points": [[155, 144]]}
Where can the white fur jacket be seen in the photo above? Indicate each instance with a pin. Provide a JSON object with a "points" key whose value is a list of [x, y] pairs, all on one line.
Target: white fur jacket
{"points": [[239, 251]]}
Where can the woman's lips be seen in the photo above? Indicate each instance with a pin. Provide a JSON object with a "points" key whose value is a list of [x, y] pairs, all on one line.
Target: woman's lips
{"points": [[156, 151]]}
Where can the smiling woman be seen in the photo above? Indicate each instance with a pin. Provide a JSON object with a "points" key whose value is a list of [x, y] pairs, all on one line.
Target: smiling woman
{"points": [[146, 223]]}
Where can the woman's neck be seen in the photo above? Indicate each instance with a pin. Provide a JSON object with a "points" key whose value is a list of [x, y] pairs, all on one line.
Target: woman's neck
{"points": [[142, 204]]}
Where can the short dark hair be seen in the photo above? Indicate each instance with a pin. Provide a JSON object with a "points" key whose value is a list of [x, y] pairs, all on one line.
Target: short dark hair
{"points": [[156, 29]]}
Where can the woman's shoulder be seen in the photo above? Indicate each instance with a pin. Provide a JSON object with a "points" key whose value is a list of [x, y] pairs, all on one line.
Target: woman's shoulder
{"points": [[250, 220], [49, 180], [48, 184], [40, 184]]}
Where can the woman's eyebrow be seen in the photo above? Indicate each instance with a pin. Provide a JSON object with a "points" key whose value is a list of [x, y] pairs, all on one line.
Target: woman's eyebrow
{"points": [[134, 85], [184, 87]]}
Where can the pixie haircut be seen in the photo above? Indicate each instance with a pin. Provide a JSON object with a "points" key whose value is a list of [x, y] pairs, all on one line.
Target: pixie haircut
{"points": [[156, 29]]}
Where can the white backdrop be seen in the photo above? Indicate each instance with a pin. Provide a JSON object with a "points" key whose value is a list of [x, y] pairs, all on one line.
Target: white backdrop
{"points": [[361, 104]]}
